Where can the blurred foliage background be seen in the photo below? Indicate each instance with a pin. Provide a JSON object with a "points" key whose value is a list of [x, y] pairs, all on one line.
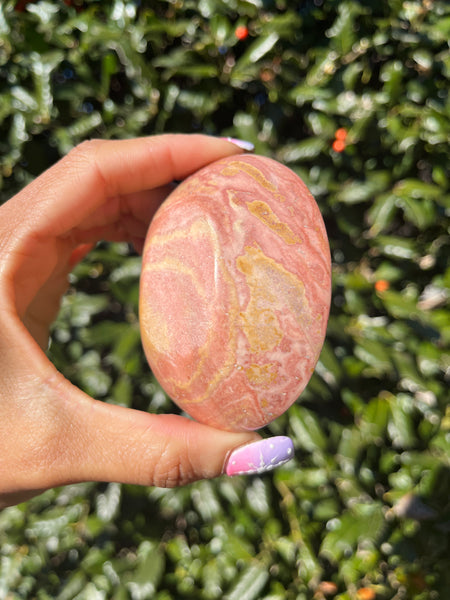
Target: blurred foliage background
{"points": [[353, 96]]}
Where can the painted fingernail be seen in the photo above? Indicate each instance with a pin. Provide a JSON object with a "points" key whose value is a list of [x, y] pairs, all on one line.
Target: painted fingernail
{"points": [[260, 457], [243, 144]]}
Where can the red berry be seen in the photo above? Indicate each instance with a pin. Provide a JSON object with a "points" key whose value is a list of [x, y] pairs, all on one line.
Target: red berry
{"points": [[341, 134], [241, 32], [338, 145], [381, 285]]}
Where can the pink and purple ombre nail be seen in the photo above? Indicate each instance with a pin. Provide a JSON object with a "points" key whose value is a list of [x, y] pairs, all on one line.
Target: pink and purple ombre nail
{"points": [[243, 144], [260, 457]]}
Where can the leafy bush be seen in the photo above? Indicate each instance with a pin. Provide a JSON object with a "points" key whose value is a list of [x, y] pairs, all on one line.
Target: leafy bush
{"points": [[353, 96]]}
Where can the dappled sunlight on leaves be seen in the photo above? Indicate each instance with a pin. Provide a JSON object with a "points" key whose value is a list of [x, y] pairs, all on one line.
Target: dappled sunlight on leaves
{"points": [[362, 512]]}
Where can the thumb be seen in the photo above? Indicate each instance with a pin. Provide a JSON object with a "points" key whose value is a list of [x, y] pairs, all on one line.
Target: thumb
{"points": [[131, 446], [97, 441]]}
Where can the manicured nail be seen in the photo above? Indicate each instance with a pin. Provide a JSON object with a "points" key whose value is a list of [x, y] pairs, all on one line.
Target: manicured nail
{"points": [[260, 457], [243, 144]]}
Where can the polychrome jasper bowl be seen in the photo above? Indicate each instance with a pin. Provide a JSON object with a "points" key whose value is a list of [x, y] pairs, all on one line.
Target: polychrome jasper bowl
{"points": [[235, 292]]}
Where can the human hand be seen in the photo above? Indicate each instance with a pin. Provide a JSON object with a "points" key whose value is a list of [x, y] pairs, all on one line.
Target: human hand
{"points": [[52, 433]]}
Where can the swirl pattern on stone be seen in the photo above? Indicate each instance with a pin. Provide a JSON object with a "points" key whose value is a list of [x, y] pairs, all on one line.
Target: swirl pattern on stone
{"points": [[235, 292]]}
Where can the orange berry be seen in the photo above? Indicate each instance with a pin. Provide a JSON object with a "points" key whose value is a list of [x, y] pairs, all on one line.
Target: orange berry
{"points": [[381, 285], [267, 75], [365, 593], [338, 145], [341, 134], [241, 32], [328, 588]]}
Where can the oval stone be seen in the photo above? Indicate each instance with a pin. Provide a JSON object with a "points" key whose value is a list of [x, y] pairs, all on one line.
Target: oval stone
{"points": [[235, 292]]}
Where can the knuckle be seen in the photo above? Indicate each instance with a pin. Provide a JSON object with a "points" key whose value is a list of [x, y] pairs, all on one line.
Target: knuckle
{"points": [[83, 156], [173, 470], [83, 160], [83, 150]]}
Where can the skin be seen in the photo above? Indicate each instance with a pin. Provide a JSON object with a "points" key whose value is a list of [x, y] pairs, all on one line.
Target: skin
{"points": [[52, 433]]}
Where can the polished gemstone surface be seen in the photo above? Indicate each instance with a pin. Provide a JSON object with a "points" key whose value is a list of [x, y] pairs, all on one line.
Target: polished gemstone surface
{"points": [[235, 292]]}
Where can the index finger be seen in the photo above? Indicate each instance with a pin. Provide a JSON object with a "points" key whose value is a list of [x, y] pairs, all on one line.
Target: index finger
{"points": [[97, 170]]}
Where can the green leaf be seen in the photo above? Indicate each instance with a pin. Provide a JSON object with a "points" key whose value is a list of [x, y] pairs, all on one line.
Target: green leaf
{"points": [[151, 563], [421, 213], [198, 102], [392, 74], [42, 68], [250, 583], [321, 124], [321, 71], [258, 49], [220, 28], [94, 381], [304, 93], [66, 138], [381, 213], [400, 305], [363, 521], [374, 354], [396, 246], [328, 367], [306, 428], [206, 501], [286, 24], [304, 150], [309, 566], [400, 427], [342, 32], [374, 420], [361, 191], [259, 498], [74, 586], [349, 449], [413, 188]]}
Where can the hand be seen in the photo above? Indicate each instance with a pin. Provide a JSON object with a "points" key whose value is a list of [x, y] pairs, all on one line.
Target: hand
{"points": [[51, 433]]}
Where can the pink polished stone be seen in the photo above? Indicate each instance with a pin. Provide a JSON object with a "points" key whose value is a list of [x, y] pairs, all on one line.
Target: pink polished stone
{"points": [[235, 292]]}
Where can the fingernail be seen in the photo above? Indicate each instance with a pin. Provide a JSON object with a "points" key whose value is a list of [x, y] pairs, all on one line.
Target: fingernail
{"points": [[243, 144], [260, 457]]}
